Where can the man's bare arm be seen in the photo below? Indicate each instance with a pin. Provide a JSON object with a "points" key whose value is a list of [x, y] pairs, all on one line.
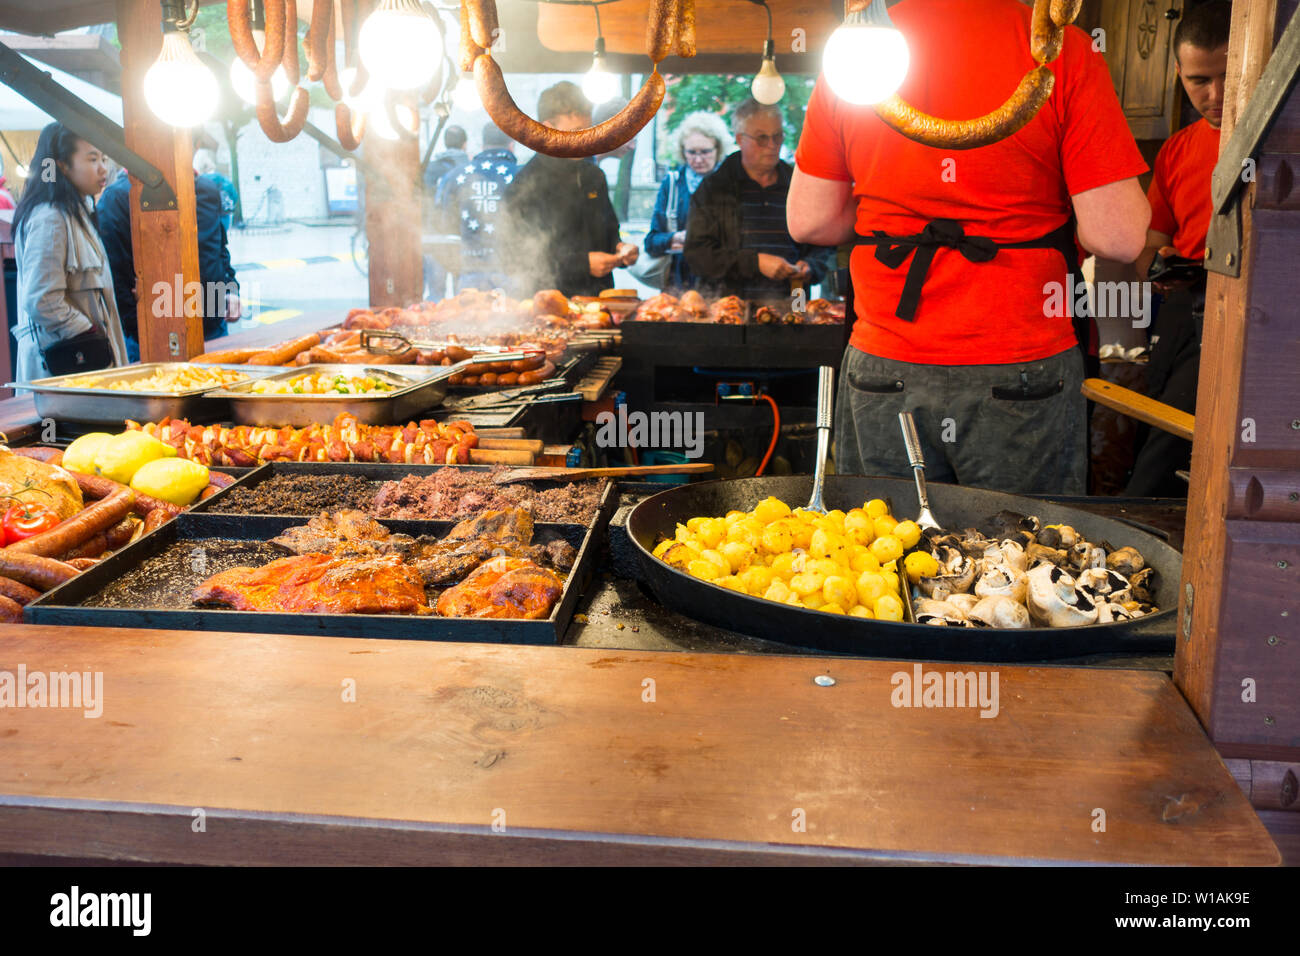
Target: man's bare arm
{"points": [[1113, 219], [1155, 242], [820, 212]]}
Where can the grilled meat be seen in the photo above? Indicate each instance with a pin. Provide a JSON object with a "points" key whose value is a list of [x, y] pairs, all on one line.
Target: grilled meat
{"points": [[341, 532], [319, 584], [503, 587]]}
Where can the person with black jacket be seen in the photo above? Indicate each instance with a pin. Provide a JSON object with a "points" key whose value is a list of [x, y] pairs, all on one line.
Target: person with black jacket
{"points": [[217, 275], [736, 237], [563, 231]]}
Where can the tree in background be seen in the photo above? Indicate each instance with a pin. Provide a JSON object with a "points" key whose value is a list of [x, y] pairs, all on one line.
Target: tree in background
{"points": [[721, 93]]}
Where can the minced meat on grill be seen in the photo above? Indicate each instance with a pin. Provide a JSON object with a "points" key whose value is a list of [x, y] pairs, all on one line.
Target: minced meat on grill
{"points": [[450, 493], [300, 495]]}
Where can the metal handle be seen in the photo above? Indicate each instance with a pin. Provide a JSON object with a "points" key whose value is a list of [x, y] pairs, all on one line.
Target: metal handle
{"points": [[825, 396], [911, 440]]}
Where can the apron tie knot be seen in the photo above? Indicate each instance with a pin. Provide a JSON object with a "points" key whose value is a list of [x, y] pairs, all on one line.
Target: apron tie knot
{"points": [[893, 251]]}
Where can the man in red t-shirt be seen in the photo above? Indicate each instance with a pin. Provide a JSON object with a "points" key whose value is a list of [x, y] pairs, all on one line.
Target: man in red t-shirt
{"points": [[985, 357], [1181, 204]]}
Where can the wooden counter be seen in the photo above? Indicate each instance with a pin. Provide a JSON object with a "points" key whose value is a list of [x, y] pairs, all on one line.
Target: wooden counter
{"points": [[558, 747]]}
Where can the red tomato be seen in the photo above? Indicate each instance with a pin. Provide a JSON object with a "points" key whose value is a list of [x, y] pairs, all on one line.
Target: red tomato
{"points": [[26, 520]]}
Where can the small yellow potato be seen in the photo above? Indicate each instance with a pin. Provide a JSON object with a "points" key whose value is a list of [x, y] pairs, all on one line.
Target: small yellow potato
{"points": [[859, 527], [830, 607], [859, 611], [908, 532], [888, 608], [704, 570], [891, 581], [861, 559], [840, 590], [756, 580], [806, 583], [738, 554], [717, 560], [876, 508], [731, 583], [770, 509], [778, 591], [871, 585], [777, 539], [712, 532], [920, 564], [783, 564], [885, 525], [662, 546], [887, 548]]}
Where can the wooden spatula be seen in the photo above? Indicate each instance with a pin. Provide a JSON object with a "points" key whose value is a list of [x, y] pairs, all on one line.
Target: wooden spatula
{"points": [[582, 474]]}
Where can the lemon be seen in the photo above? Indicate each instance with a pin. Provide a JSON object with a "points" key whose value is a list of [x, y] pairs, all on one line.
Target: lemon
{"points": [[80, 455], [121, 456], [177, 480]]}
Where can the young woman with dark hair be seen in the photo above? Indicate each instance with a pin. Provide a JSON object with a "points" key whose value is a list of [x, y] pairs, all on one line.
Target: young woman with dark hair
{"points": [[67, 319]]}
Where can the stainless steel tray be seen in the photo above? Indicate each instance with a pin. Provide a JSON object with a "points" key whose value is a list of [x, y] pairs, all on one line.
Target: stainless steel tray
{"points": [[103, 406], [417, 393]]}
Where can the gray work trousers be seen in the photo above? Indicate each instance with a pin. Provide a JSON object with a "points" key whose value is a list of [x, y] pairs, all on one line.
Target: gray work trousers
{"points": [[1018, 428]]}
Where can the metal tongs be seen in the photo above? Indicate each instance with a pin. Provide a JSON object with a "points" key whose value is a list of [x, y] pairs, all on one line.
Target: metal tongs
{"points": [[373, 340], [913, 442], [825, 407]]}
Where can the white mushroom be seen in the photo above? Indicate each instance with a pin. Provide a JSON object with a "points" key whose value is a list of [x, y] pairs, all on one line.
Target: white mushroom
{"points": [[1126, 561], [963, 602], [1002, 581], [1060, 536], [956, 573], [1085, 555], [931, 611], [1056, 601], [1110, 613], [999, 611], [1103, 585]]}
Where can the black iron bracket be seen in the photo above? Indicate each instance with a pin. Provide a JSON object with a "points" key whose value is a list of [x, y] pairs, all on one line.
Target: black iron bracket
{"points": [[39, 88], [1223, 240]]}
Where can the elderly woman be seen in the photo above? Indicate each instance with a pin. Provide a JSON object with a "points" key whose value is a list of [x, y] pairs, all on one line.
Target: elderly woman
{"points": [[700, 144], [737, 241], [67, 319]]}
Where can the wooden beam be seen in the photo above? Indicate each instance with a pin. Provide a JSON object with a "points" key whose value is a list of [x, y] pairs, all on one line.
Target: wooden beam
{"points": [[164, 242], [1238, 615], [394, 222], [1139, 406]]}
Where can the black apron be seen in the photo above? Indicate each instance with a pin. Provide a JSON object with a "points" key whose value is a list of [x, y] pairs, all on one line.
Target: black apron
{"points": [[893, 251]]}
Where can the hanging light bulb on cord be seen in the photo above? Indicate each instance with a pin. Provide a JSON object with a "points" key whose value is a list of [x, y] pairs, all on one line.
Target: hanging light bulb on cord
{"points": [[768, 87], [464, 95], [395, 44], [242, 80], [866, 58], [179, 89], [598, 84]]}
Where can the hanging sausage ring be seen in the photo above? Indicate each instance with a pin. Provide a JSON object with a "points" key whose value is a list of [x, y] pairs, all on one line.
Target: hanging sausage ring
{"points": [[670, 25], [281, 48], [1046, 36]]}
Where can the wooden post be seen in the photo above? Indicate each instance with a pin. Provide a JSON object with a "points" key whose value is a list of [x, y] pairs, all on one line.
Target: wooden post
{"points": [[1239, 616], [394, 225], [164, 242]]}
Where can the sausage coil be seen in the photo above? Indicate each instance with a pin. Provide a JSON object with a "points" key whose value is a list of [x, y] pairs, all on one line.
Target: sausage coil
{"points": [[1046, 37], [262, 62]]}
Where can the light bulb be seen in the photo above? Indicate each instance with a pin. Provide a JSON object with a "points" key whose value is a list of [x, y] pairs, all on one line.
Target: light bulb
{"points": [[768, 87], [865, 64], [348, 76], [599, 85], [372, 103], [245, 85], [179, 89], [400, 45], [465, 96]]}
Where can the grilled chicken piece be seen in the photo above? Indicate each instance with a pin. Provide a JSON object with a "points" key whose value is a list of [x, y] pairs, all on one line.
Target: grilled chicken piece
{"points": [[511, 526], [341, 532], [503, 587], [319, 584], [693, 303]]}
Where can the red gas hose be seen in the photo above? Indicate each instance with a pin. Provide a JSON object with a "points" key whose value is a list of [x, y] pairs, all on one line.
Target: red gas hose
{"points": [[776, 432]]}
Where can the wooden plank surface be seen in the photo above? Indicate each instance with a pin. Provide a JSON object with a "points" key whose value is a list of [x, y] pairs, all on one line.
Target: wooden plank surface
{"points": [[560, 746], [1139, 406]]}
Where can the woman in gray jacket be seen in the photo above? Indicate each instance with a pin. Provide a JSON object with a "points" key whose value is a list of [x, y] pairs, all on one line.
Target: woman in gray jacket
{"points": [[67, 319]]}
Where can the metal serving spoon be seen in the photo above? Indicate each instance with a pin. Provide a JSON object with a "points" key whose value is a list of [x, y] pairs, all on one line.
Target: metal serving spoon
{"points": [[825, 407], [913, 442]]}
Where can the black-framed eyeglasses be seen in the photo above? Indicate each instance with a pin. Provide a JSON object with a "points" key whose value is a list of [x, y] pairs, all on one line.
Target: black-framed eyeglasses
{"points": [[702, 152], [776, 139]]}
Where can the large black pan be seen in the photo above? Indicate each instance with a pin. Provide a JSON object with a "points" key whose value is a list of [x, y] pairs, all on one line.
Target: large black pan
{"points": [[956, 508]]}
